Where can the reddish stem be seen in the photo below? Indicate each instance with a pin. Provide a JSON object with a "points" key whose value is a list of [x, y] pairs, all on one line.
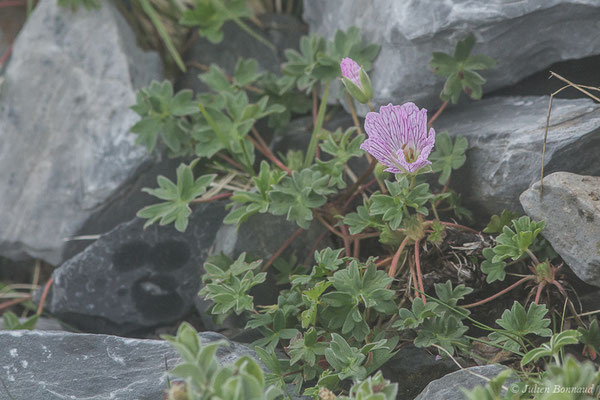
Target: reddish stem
{"points": [[419, 274], [383, 262], [437, 113], [230, 161], [356, 247], [12, 302], [44, 295], [5, 56], [282, 248], [12, 3], [358, 191], [270, 156], [328, 226], [394, 265], [216, 197], [500, 293], [346, 234], [538, 293]]}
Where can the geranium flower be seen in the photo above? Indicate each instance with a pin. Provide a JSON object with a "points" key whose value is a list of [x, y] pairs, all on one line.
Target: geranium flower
{"points": [[398, 137]]}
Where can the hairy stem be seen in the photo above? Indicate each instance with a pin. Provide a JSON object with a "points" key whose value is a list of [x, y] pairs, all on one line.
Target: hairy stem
{"points": [[314, 140], [437, 113], [418, 269], [500, 293]]}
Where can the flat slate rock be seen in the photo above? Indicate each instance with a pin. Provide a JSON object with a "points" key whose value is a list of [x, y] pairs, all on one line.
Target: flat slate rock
{"points": [[505, 137], [37, 365], [134, 278], [570, 205], [522, 36], [65, 146], [449, 387]]}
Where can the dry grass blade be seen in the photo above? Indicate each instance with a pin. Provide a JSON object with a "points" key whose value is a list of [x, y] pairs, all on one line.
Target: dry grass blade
{"points": [[581, 88]]}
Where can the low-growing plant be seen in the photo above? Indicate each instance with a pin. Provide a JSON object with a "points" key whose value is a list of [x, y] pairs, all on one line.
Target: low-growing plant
{"points": [[339, 319]]}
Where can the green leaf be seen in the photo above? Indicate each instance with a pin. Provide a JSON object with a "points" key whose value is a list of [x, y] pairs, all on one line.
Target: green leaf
{"points": [[11, 322], [411, 319], [459, 70], [495, 271], [178, 196], [513, 244], [448, 156], [497, 223], [518, 322], [296, 195]]}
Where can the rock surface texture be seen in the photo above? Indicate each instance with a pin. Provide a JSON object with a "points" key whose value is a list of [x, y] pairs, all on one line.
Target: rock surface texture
{"points": [[134, 278], [283, 31], [65, 146], [58, 365], [505, 137], [449, 387], [570, 205], [523, 36]]}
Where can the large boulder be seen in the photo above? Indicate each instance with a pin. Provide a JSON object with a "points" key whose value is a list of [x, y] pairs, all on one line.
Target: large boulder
{"points": [[570, 205], [43, 365], [523, 36], [133, 278], [505, 137], [450, 386], [65, 146]]}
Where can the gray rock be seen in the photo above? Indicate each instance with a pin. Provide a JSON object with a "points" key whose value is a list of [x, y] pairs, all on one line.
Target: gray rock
{"points": [[131, 279], [570, 205], [505, 137], [284, 31], [523, 37], [60, 365], [449, 387], [65, 146], [413, 369]]}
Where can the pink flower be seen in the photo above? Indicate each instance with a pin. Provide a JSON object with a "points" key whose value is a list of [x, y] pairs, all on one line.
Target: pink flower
{"points": [[398, 137], [351, 71]]}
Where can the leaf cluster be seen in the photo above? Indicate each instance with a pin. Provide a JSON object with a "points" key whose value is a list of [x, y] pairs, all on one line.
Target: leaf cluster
{"points": [[460, 70]]}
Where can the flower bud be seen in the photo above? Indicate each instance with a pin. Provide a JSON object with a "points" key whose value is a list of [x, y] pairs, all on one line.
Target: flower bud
{"points": [[356, 80]]}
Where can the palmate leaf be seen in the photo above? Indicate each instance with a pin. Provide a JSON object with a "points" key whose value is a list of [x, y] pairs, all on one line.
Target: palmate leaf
{"points": [[446, 332], [410, 319], [296, 195], [518, 322], [498, 222], [514, 243], [495, 271], [460, 70], [161, 113], [178, 196], [250, 203], [448, 156]]}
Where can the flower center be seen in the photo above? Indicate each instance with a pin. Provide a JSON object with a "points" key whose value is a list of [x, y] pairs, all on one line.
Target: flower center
{"points": [[410, 154]]}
